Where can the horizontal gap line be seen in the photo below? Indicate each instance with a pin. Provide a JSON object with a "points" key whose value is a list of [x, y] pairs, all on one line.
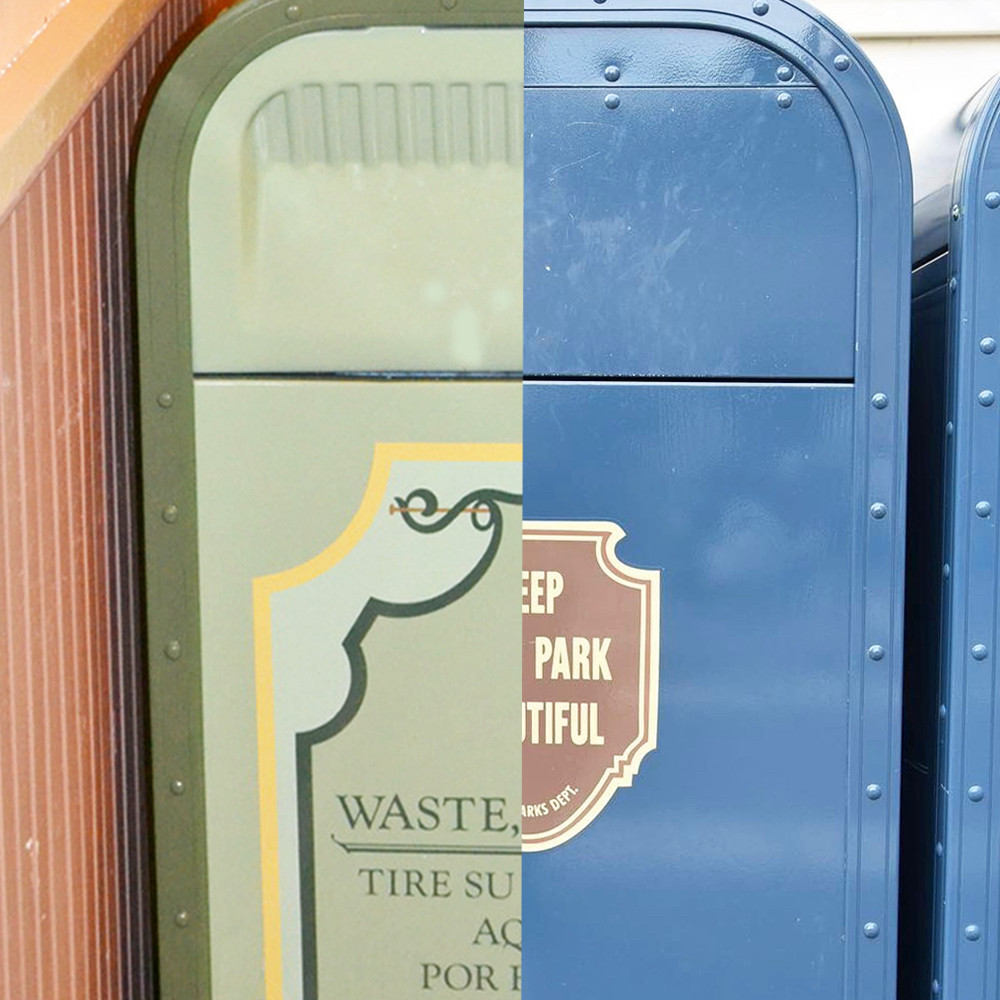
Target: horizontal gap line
{"points": [[618, 85], [929, 258], [696, 379], [423, 848], [508, 377], [933, 290], [396, 376]]}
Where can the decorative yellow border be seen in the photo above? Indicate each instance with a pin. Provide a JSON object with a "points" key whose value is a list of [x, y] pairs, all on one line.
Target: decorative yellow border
{"points": [[263, 588]]}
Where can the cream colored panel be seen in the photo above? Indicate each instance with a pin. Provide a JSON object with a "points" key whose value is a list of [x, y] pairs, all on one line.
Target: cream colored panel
{"points": [[272, 497], [356, 205]]}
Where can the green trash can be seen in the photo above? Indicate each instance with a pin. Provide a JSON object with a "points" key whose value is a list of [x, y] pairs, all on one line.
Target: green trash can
{"points": [[328, 220]]}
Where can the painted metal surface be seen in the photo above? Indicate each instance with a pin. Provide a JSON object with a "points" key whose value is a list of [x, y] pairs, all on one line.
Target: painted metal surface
{"points": [[952, 732], [680, 261], [741, 417], [75, 897], [318, 375], [369, 174], [934, 175]]}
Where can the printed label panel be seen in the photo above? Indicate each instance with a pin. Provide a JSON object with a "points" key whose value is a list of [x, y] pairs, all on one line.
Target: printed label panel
{"points": [[590, 680], [390, 839]]}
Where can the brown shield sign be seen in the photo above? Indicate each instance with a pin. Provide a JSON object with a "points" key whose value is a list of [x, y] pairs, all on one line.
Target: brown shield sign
{"points": [[590, 675]]}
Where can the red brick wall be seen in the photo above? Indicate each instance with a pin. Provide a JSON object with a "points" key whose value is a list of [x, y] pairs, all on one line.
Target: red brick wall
{"points": [[75, 908]]}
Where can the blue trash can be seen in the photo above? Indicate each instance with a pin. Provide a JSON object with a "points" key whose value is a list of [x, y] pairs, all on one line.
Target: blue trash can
{"points": [[950, 859], [717, 229]]}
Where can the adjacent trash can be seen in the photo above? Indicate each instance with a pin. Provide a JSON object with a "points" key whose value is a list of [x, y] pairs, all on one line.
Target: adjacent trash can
{"points": [[328, 218], [950, 898], [717, 227]]}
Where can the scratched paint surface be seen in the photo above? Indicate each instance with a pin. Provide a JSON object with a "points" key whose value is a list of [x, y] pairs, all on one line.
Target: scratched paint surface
{"points": [[674, 233]]}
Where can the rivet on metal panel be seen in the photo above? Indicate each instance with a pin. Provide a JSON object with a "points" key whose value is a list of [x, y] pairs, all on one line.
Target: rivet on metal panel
{"points": [[879, 510], [169, 513], [880, 400], [986, 397], [784, 100], [611, 73], [874, 792], [939, 849], [784, 73], [946, 571], [871, 929], [993, 199], [979, 651], [956, 212], [972, 932], [293, 12], [983, 508], [182, 919], [842, 62], [987, 345], [761, 7], [165, 400], [172, 650], [612, 101], [943, 712], [876, 652], [953, 285], [976, 793], [177, 786]]}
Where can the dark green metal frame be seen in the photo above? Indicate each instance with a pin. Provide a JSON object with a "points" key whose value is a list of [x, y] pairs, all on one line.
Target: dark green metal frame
{"points": [[168, 433]]}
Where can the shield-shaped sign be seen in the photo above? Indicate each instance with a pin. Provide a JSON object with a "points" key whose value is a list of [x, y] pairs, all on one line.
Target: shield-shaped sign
{"points": [[590, 675]]}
